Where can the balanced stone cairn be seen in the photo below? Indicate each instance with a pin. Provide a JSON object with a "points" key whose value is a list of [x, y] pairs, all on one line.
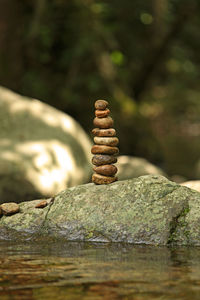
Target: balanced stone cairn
{"points": [[105, 150]]}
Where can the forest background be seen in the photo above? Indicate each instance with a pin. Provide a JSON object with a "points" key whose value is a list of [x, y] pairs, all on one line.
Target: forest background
{"points": [[142, 56]]}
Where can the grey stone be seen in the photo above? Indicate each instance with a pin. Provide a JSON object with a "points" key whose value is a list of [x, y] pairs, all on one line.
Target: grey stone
{"points": [[132, 167], [42, 150], [147, 210]]}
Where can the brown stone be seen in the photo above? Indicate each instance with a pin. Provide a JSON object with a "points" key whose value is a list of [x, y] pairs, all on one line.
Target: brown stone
{"points": [[107, 170], [100, 179], [104, 132], [99, 160], [103, 122], [108, 141], [9, 208], [102, 113], [101, 149], [41, 204], [101, 104]]}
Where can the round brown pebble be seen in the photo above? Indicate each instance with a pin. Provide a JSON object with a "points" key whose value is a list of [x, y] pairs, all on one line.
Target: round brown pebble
{"points": [[104, 132], [100, 179], [103, 122], [101, 104], [107, 170], [101, 149], [41, 204], [99, 160], [102, 113], [108, 141], [9, 209]]}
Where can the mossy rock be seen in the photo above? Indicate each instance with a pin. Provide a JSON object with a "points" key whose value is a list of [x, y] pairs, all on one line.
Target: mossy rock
{"points": [[146, 210]]}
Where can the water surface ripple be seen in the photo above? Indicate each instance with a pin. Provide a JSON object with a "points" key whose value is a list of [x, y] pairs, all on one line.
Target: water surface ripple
{"points": [[70, 270]]}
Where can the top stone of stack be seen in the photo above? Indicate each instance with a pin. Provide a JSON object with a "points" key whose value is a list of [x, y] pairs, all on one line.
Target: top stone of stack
{"points": [[101, 104]]}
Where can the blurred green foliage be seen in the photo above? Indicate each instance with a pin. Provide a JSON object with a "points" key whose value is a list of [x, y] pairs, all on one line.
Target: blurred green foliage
{"points": [[143, 56]]}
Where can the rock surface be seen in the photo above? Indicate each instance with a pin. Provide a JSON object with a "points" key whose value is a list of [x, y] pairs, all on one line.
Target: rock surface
{"points": [[132, 167], [42, 150], [149, 210]]}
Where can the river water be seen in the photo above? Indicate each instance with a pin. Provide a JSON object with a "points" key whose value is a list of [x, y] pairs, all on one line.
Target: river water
{"points": [[69, 270]]}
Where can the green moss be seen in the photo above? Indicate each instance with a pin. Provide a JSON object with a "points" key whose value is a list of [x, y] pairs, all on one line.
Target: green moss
{"points": [[89, 235], [185, 211], [179, 224]]}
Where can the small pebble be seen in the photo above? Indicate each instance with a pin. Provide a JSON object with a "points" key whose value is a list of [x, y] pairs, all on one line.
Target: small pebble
{"points": [[101, 149], [102, 113], [107, 170], [101, 104], [101, 159], [9, 209], [41, 204], [104, 132], [108, 141], [100, 179]]}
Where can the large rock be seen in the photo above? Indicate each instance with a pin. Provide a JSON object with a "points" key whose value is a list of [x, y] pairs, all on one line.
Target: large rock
{"points": [[42, 150], [149, 210], [132, 167]]}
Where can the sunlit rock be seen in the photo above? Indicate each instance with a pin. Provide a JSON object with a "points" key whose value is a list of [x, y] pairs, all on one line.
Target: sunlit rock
{"points": [[42, 150], [192, 184], [132, 167]]}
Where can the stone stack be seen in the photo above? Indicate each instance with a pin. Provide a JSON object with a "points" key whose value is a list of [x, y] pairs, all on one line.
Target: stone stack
{"points": [[105, 150]]}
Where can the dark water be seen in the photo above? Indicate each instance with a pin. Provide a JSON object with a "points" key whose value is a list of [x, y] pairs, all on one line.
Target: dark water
{"points": [[56, 270]]}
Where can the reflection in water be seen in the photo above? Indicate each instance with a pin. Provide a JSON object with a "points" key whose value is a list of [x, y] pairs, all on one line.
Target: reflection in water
{"points": [[56, 270]]}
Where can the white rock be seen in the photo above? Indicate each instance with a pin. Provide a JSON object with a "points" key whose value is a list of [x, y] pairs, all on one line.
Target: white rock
{"points": [[42, 150], [193, 184]]}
